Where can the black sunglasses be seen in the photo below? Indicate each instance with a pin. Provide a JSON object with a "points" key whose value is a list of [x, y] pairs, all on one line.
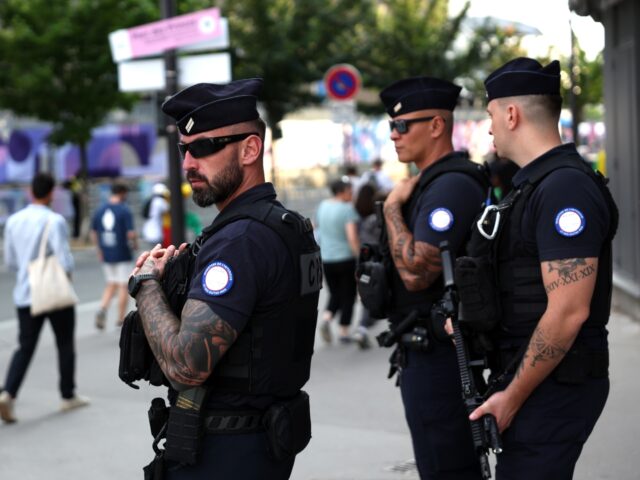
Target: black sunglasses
{"points": [[208, 146], [402, 125]]}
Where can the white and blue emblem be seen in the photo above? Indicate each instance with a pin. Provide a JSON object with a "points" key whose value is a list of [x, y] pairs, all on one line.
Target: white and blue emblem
{"points": [[570, 222], [217, 279], [441, 219]]}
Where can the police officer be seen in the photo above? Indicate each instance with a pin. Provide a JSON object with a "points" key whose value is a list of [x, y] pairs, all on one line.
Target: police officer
{"points": [[438, 204], [552, 258], [245, 334]]}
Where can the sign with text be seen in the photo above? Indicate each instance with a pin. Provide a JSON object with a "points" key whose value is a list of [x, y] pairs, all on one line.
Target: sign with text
{"points": [[157, 37]]}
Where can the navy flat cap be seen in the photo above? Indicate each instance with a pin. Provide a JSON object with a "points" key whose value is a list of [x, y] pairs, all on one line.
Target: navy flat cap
{"points": [[419, 93], [523, 76], [207, 106]]}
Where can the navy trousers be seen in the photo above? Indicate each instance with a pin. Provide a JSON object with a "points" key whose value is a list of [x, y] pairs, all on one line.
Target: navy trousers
{"points": [[63, 323], [547, 434], [437, 417], [233, 456]]}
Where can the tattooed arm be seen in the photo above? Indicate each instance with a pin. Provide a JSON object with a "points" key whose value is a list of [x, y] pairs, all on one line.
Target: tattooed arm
{"points": [[569, 285], [418, 263], [187, 349]]}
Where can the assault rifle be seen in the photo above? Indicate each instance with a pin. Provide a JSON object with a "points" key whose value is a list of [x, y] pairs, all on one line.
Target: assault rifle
{"points": [[484, 431]]}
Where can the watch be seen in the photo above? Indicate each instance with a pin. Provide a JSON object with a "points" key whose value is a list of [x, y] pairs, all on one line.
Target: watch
{"points": [[135, 282]]}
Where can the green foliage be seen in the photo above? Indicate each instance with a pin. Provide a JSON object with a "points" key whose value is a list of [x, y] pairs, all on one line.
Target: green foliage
{"points": [[55, 61]]}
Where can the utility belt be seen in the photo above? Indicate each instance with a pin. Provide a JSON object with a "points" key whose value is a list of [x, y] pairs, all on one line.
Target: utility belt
{"points": [[579, 364], [286, 423]]}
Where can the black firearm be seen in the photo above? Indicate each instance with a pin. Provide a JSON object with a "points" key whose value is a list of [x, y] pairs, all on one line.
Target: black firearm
{"points": [[484, 430]]}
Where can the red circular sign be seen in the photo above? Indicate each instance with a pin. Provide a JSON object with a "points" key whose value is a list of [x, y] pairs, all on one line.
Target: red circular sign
{"points": [[342, 81]]}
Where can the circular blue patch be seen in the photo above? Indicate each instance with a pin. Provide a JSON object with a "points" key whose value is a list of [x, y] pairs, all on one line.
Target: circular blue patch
{"points": [[441, 219], [217, 279], [570, 222]]}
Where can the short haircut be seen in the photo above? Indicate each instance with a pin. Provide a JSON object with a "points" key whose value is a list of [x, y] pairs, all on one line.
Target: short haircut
{"points": [[42, 185], [338, 186], [119, 188]]}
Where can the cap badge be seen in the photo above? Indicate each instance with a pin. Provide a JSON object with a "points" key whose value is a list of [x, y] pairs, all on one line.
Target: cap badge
{"points": [[189, 125], [397, 107]]}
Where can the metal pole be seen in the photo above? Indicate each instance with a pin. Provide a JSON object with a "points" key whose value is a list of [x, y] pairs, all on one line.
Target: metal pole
{"points": [[574, 88], [168, 9]]}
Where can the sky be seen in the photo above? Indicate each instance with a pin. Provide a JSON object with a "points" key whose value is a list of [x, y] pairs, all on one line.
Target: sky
{"points": [[551, 17]]}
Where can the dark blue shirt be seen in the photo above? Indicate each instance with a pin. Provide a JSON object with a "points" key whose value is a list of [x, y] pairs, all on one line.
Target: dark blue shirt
{"points": [[567, 215], [112, 222]]}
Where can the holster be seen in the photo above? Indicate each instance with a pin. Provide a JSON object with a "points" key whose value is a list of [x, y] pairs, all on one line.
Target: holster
{"points": [[479, 296], [185, 427], [372, 282], [155, 470], [288, 426]]}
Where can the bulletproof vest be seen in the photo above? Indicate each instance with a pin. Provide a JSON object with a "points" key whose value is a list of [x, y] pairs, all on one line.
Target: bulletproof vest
{"points": [[404, 301], [519, 278]]}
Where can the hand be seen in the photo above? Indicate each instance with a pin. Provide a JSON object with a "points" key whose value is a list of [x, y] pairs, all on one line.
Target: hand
{"points": [[402, 191], [501, 406], [155, 260], [448, 327]]}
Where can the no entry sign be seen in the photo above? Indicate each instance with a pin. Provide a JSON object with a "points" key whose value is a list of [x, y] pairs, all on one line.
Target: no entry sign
{"points": [[342, 81]]}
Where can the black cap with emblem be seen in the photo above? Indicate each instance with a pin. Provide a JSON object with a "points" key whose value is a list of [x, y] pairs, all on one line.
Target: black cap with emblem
{"points": [[419, 93], [207, 106], [523, 76]]}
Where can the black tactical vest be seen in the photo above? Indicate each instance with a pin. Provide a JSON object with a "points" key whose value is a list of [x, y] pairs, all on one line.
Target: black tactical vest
{"points": [[272, 354], [521, 291], [402, 300]]}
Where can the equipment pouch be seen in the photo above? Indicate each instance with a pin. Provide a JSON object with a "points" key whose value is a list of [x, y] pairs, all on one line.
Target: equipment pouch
{"points": [[288, 426], [135, 353], [186, 427], [371, 275], [479, 295]]}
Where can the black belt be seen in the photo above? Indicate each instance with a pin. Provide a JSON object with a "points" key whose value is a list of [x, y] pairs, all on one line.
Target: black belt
{"points": [[247, 421]]}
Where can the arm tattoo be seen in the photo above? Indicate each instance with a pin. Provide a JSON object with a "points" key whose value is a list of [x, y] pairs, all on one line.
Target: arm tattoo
{"points": [[186, 350], [569, 271], [418, 263], [541, 348]]}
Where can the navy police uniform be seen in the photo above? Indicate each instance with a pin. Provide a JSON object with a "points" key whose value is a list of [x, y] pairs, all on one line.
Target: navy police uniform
{"points": [[441, 207], [258, 268], [558, 209]]}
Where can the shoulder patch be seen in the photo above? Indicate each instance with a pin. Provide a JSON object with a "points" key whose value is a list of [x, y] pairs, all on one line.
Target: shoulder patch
{"points": [[570, 222], [441, 219], [217, 279]]}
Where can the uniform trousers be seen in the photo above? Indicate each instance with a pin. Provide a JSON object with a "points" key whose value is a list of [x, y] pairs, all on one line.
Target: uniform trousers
{"points": [[437, 417], [547, 434], [63, 324], [233, 457]]}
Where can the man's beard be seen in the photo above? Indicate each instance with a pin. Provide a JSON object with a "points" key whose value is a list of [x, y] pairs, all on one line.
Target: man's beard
{"points": [[220, 188]]}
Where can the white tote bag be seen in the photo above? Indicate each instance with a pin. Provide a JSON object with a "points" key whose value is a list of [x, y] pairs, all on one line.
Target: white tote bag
{"points": [[51, 288]]}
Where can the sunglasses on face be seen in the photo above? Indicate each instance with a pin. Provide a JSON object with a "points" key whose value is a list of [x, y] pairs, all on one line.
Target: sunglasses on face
{"points": [[402, 125], [208, 146]]}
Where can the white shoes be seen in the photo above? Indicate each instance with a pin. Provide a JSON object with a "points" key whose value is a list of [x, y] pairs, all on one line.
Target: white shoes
{"points": [[6, 408], [75, 402]]}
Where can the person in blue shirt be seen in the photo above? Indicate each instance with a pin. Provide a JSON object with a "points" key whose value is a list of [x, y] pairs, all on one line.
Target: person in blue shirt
{"points": [[22, 235], [113, 232], [337, 228]]}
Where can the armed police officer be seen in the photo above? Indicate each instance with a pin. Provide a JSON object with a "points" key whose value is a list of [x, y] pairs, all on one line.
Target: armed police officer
{"points": [[238, 352], [549, 241], [438, 204]]}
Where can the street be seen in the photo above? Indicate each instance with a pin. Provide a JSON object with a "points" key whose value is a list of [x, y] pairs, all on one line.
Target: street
{"points": [[359, 431]]}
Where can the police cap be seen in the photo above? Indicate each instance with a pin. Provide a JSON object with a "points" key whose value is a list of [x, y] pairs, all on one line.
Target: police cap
{"points": [[207, 106], [419, 93], [523, 76]]}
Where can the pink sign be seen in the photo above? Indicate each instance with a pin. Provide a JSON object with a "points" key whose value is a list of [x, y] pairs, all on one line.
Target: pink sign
{"points": [[156, 37]]}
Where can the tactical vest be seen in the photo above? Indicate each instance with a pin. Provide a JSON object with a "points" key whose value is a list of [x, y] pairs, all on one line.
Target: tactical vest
{"points": [[272, 354], [402, 300], [523, 299]]}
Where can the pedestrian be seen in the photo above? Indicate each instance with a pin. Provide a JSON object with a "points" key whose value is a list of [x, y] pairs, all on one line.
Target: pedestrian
{"points": [[337, 225], [244, 338], [113, 233], [437, 205], [22, 235], [376, 177], [551, 256], [155, 212]]}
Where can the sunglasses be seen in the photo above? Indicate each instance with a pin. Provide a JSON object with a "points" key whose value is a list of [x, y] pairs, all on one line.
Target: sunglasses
{"points": [[208, 146], [402, 125]]}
